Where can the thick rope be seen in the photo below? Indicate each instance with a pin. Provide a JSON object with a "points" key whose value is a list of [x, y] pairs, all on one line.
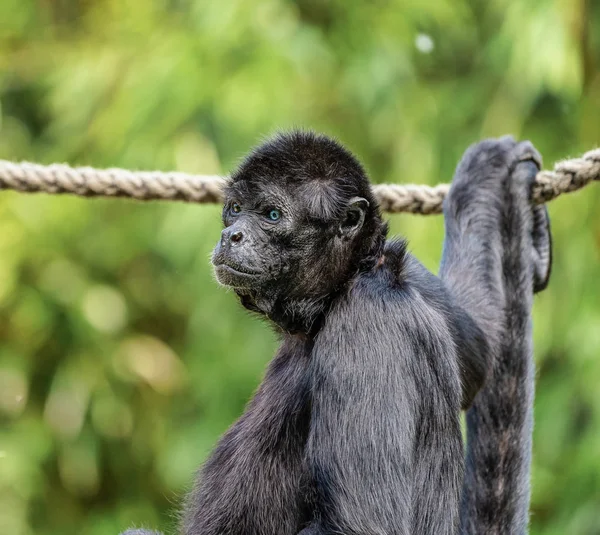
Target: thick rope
{"points": [[568, 175]]}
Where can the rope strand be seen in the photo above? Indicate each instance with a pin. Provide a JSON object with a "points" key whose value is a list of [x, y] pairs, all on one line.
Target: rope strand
{"points": [[567, 176]]}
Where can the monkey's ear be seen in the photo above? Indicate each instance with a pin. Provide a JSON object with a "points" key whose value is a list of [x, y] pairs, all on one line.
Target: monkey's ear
{"points": [[354, 217]]}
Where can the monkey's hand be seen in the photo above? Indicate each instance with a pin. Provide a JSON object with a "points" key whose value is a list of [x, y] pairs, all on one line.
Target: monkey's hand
{"points": [[528, 163], [493, 176]]}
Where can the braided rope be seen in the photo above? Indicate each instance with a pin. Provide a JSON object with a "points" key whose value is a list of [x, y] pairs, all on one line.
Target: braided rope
{"points": [[568, 175]]}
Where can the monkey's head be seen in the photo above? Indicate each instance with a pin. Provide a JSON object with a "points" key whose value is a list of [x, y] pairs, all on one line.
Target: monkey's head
{"points": [[300, 221]]}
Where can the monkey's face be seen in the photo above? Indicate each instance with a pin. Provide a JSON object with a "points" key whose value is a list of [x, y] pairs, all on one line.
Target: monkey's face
{"points": [[299, 219], [267, 244], [253, 249], [273, 248]]}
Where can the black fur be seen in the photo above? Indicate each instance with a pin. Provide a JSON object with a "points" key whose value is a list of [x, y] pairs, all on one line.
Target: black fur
{"points": [[355, 427], [510, 241]]}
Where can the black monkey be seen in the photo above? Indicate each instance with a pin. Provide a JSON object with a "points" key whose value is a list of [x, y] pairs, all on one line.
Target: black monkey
{"points": [[355, 428]]}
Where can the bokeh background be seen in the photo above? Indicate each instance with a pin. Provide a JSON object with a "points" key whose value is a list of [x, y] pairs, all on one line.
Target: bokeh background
{"points": [[121, 361]]}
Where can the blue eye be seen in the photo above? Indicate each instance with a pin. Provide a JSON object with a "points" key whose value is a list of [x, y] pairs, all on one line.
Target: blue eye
{"points": [[274, 214], [236, 208]]}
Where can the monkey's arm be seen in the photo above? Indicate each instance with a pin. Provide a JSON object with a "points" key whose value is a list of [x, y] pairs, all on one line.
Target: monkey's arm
{"points": [[250, 483], [499, 424], [477, 216]]}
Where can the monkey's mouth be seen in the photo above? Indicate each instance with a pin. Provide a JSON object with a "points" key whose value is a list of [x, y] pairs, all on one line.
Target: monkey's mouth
{"points": [[238, 270], [234, 267], [233, 274]]}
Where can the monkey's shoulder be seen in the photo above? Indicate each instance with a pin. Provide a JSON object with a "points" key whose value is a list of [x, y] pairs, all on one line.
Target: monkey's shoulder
{"points": [[399, 295], [393, 320], [400, 278]]}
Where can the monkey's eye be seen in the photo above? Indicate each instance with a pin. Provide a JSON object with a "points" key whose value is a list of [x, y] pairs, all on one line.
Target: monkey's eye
{"points": [[236, 208], [274, 214]]}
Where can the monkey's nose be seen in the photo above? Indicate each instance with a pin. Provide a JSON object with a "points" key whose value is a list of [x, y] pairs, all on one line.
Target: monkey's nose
{"points": [[236, 237]]}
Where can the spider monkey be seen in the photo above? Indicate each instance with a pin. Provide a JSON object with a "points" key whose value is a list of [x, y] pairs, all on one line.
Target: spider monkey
{"points": [[355, 426]]}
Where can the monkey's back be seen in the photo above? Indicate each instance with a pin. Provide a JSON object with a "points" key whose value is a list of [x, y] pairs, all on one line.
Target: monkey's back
{"points": [[385, 372]]}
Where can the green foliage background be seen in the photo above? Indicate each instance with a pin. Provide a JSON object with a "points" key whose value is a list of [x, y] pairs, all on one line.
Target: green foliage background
{"points": [[121, 361]]}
